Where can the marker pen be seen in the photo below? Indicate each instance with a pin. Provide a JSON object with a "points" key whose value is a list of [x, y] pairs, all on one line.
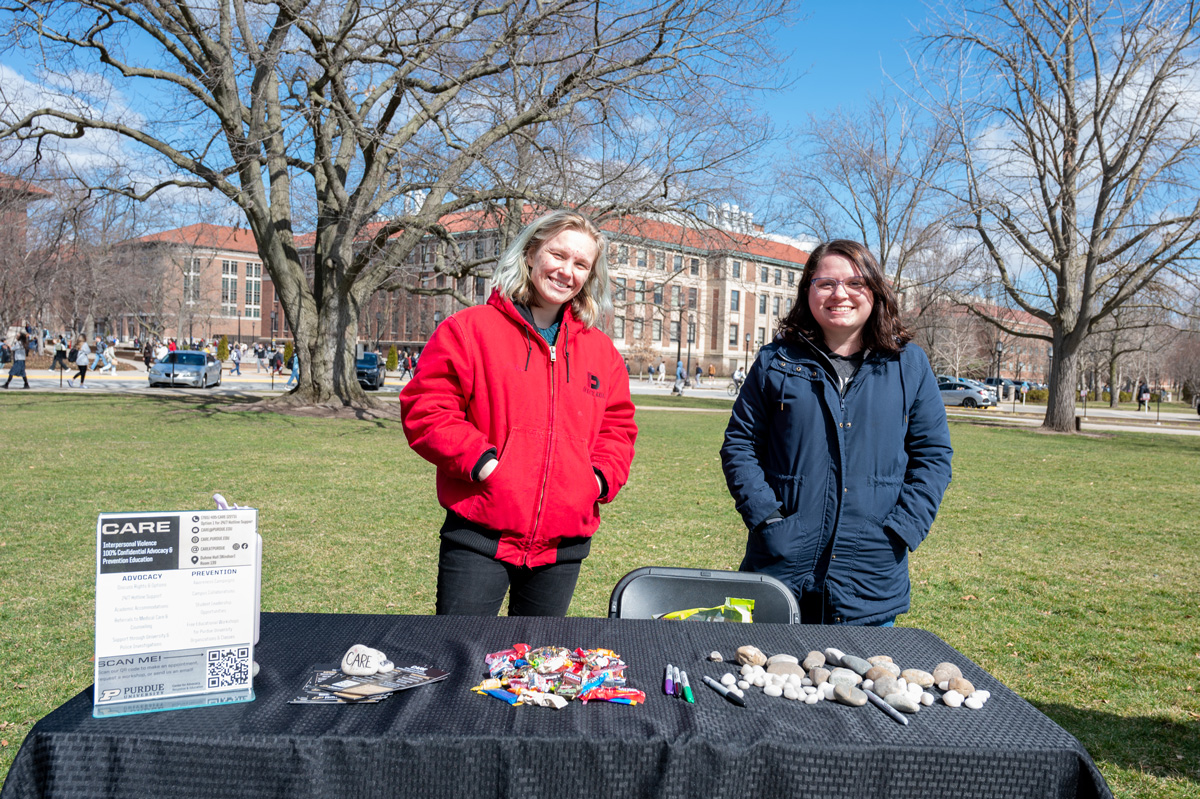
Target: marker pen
{"points": [[668, 683], [724, 691], [678, 683], [687, 690]]}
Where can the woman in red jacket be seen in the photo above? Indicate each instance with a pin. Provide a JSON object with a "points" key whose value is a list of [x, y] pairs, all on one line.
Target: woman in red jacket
{"points": [[523, 406]]}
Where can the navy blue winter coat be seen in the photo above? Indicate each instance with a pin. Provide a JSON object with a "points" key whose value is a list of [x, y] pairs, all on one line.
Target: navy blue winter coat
{"points": [[857, 478]]}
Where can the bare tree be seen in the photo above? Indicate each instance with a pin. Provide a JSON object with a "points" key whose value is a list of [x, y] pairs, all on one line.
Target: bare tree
{"points": [[871, 175], [402, 112], [1078, 148]]}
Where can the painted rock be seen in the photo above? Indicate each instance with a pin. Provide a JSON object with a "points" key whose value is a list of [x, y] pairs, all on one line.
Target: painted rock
{"points": [[362, 661]]}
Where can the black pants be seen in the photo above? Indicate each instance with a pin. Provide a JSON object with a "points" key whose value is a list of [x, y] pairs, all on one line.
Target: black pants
{"points": [[472, 584]]}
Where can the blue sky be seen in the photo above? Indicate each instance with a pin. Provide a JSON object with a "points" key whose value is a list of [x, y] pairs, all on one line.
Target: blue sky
{"points": [[845, 48]]}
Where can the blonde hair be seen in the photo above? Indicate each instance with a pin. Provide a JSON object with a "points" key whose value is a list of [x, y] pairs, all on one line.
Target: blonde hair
{"points": [[593, 303]]}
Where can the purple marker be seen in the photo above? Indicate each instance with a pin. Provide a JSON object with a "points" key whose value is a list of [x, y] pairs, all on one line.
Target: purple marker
{"points": [[678, 683], [669, 682]]}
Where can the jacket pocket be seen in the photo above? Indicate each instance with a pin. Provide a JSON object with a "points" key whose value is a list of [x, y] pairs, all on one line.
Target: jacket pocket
{"points": [[569, 501], [880, 563], [508, 498]]}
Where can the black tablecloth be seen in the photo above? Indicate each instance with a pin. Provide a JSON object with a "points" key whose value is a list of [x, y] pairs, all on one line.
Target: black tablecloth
{"points": [[442, 740]]}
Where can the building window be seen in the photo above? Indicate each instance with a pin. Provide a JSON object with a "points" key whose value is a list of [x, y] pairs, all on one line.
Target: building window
{"points": [[734, 299], [253, 291], [737, 269], [674, 330], [191, 280], [778, 277], [658, 295], [639, 291], [480, 288], [791, 277], [229, 273], [641, 259], [694, 266], [777, 306], [676, 295], [692, 298], [678, 263], [619, 289], [660, 261], [638, 328], [657, 330], [762, 303], [618, 327], [762, 336], [762, 274], [733, 331]]}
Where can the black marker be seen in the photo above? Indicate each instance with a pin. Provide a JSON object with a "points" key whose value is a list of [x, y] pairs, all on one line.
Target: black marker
{"points": [[724, 691]]}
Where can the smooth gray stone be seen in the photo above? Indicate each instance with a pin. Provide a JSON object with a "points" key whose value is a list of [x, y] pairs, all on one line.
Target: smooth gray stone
{"points": [[833, 657], [842, 676], [903, 702], [856, 664], [886, 685], [849, 695]]}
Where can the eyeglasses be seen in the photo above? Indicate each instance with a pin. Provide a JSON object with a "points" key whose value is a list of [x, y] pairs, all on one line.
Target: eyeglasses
{"points": [[853, 285]]}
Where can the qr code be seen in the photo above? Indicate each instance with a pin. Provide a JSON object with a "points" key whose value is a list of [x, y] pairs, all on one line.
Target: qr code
{"points": [[228, 667]]}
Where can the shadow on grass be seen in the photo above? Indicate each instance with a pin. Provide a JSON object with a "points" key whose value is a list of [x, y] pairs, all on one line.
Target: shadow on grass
{"points": [[1153, 745]]}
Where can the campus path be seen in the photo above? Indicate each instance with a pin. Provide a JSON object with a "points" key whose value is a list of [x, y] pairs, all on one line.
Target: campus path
{"points": [[252, 384]]}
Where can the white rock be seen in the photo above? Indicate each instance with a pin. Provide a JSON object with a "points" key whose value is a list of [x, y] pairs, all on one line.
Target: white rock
{"points": [[747, 670], [783, 659], [914, 690], [743, 684], [833, 657], [903, 683], [790, 693], [812, 699], [728, 679], [868, 685], [973, 702], [795, 680], [738, 691], [982, 696], [773, 690], [362, 661], [944, 685], [760, 680], [827, 690], [805, 681], [809, 690], [926, 698], [952, 698]]}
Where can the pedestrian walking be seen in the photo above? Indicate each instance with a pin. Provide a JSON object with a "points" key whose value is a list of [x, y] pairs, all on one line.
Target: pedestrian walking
{"points": [[699, 375], [82, 356], [294, 377], [235, 355], [680, 378], [1143, 397], [17, 369]]}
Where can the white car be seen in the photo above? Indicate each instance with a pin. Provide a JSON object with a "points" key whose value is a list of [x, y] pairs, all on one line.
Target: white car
{"points": [[959, 393], [186, 368]]}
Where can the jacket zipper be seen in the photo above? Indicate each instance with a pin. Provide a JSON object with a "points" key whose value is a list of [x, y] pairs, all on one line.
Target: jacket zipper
{"points": [[537, 516]]}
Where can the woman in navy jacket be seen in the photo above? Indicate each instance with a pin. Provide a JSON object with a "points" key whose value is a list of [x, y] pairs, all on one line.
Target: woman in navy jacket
{"points": [[837, 453]]}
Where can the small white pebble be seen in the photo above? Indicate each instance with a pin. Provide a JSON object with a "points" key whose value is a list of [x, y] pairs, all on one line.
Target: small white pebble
{"points": [[728, 679], [827, 690], [794, 680], [867, 685], [759, 680], [926, 698], [903, 683], [809, 690], [914, 690], [743, 684], [952, 698], [972, 702], [790, 693], [759, 670], [982, 696], [738, 692], [805, 681], [944, 685], [773, 690], [747, 669], [812, 699]]}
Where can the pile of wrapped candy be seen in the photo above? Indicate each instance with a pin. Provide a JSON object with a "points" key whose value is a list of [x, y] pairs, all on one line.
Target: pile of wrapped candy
{"points": [[551, 676]]}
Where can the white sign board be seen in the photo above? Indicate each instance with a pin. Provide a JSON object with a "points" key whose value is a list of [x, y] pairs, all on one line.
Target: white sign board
{"points": [[175, 609]]}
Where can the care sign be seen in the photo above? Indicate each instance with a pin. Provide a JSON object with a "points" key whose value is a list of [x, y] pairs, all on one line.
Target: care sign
{"points": [[175, 609]]}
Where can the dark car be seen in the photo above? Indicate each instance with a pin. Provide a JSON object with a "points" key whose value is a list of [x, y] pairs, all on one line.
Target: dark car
{"points": [[371, 371]]}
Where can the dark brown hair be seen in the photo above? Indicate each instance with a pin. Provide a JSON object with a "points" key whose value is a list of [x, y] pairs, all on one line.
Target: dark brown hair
{"points": [[883, 331]]}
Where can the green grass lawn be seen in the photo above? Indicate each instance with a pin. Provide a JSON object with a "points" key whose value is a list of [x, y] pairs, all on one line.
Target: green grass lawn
{"points": [[1065, 565]]}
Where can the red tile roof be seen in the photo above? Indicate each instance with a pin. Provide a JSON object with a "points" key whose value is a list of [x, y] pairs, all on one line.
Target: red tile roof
{"points": [[705, 239], [206, 236], [14, 185]]}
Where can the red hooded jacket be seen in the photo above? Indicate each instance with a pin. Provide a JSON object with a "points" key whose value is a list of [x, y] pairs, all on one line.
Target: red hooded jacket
{"points": [[487, 380]]}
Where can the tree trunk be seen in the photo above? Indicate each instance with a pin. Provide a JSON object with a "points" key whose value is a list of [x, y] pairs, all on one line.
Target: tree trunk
{"points": [[1114, 392], [1060, 406]]}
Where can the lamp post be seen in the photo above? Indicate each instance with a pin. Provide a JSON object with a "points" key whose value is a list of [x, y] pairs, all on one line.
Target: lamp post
{"points": [[999, 382], [378, 330], [747, 352], [239, 327], [690, 333], [679, 340]]}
